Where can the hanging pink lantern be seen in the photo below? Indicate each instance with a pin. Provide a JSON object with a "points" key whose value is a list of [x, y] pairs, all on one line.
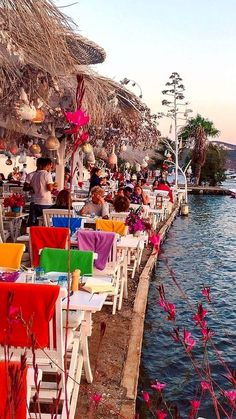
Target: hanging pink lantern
{"points": [[2, 144], [13, 149]]}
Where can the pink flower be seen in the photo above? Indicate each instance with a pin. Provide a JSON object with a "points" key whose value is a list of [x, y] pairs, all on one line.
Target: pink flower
{"points": [[96, 398], [163, 304], [160, 414], [231, 395], [171, 311], [146, 397], [77, 118], [189, 342], [206, 333], [201, 314], [206, 293], [14, 314], [205, 385], [158, 386], [195, 404]]}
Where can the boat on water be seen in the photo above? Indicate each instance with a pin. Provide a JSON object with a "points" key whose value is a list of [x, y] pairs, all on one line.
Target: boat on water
{"points": [[230, 175]]}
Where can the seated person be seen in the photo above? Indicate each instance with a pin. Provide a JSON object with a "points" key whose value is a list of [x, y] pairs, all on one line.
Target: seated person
{"points": [[163, 186], [155, 185], [120, 192], [97, 206], [121, 204], [128, 192], [139, 197], [63, 200]]}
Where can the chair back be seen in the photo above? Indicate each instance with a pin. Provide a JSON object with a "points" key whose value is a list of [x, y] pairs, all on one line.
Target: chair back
{"points": [[73, 223], [11, 255], [114, 226], [77, 206], [60, 260], [53, 237], [101, 242], [49, 213], [119, 216]]}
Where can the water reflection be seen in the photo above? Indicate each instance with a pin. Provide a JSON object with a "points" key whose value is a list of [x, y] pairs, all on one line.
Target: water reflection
{"points": [[201, 250]]}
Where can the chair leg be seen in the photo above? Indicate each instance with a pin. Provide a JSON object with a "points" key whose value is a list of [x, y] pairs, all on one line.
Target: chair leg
{"points": [[114, 304]]}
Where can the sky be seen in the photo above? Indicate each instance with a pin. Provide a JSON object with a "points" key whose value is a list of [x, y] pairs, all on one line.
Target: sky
{"points": [[146, 40]]}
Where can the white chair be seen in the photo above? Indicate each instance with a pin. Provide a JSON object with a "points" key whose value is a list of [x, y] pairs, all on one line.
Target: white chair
{"points": [[4, 234], [77, 205], [113, 270], [119, 216], [50, 358], [145, 208], [49, 213]]}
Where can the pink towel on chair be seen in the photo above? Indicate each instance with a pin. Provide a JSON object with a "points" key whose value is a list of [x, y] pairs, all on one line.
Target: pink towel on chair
{"points": [[99, 242]]}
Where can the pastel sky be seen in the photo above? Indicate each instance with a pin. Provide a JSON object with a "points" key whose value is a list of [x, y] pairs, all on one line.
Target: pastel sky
{"points": [[146, 40]]}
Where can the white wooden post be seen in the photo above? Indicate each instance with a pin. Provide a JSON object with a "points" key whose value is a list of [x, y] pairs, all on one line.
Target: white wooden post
{"points": [[60, 167]]}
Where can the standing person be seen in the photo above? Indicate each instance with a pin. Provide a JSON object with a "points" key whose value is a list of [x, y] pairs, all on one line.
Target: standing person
{"points": [[42, 185], [95, 179], [28, 188]]}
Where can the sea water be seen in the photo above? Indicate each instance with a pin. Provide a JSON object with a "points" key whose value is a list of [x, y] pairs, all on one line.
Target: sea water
{"points": [[201, 249]]}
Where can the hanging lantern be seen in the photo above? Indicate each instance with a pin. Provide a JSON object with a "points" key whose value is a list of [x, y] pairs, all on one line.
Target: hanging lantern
{"points": [[13, 149], [147, 158], [87, 148], [123, 147], [144, 164], [91, 158], [112, 160], [2, 144], [26, 112], [35, 149], [39, 117], [8, 162], [137, 167], [127, 165], [101, 154], [52, 143]]}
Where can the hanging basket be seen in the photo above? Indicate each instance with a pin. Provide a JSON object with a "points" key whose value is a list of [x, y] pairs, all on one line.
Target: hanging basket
{"points": [[35, 149], [112, 160]]}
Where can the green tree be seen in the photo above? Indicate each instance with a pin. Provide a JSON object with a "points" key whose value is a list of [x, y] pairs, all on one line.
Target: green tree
{"points": [[196, 131], [213, 170]]}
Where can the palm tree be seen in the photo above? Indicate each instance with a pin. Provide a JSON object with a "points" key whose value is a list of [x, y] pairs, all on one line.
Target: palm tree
{"points": [[198, 130]]}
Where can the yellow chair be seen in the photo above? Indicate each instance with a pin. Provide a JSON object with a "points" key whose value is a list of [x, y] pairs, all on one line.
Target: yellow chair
{"points": [[11, 255], [118, 227]]}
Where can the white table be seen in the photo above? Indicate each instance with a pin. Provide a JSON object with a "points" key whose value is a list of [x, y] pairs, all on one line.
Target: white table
{"points": [[128, 243], [88, 303]]}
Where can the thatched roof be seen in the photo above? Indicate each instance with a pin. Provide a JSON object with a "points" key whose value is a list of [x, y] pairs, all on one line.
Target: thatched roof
{"points": [[38, 34]]}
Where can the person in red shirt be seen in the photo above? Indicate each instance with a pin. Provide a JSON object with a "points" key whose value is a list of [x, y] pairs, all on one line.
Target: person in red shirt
{"points": [[163, 186]]}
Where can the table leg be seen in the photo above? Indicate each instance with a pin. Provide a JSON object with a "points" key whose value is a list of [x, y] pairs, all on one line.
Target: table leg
{"points": [[15, 226], [86, 330]]}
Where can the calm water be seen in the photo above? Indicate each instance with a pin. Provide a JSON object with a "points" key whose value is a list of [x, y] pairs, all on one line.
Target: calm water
{"points": [[201, 250]]}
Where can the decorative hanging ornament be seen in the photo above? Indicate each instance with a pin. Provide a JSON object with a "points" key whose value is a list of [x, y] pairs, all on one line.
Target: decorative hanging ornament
{"points": [[123, 147], [22, 158], [112, 160], [87, 148], [35, 149], [127, 165], [52, 143], [91, 158], [26, 112], [13, 149], [137, 167], [39, 118], [144, 164], [147, 158], [8, 162]]}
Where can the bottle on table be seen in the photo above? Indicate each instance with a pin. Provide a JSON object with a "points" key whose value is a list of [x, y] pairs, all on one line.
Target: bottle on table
{"points": [[75, 280]]}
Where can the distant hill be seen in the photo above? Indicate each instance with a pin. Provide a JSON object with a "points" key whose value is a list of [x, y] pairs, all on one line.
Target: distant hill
{"points": [[231, 154]]}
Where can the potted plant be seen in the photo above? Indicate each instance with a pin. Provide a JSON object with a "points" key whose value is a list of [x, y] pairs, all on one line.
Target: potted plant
{"points": [[136, 223], [15, 202]]}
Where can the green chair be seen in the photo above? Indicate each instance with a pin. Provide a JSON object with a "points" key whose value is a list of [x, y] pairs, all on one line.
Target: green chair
{"points": [[58, 260]]}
